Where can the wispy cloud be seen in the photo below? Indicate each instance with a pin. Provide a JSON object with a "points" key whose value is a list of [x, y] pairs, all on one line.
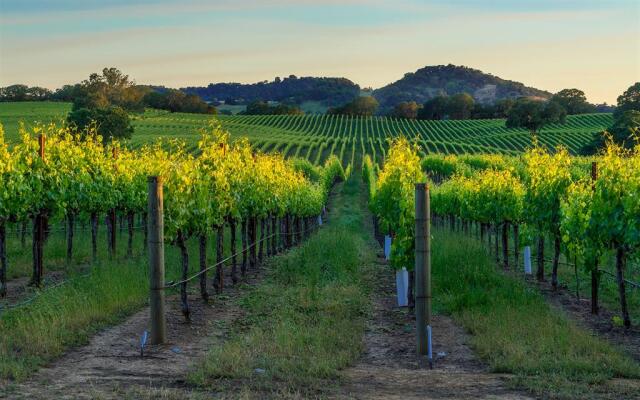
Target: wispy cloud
{"points": [[98, 9]]}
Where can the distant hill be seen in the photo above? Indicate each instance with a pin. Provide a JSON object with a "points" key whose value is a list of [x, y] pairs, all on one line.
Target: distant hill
{"points": [[431, 81], [293, 90]]}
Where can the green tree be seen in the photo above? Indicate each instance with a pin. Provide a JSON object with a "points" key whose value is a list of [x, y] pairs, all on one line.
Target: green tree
{"points": [[460, 106], [573, 101], [257, 108], [434, 109], [629, 100], [156, 99], [488, 111], [534, 114], [624, 132], [626, 123], [66, 93], [176, 101], [110, 122], [38, 93], [502, 108], [626, 128], [406, 109], [362, 106], [111, 88]]}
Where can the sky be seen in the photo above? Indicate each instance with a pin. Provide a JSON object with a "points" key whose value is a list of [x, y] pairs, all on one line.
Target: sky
{"points": [[547, 44]]}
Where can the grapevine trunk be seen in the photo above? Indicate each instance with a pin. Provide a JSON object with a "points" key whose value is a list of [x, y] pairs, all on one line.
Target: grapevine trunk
{"points": [[540, 271], [219, 279], [70, 227], [556, 260], [621, 260], [203, 268], [234, 258], [180, 241]]}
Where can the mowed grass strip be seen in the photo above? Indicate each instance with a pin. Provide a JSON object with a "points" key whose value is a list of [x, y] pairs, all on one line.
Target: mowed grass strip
{"points": [[68, 315], [306, 321], [517, 332]]}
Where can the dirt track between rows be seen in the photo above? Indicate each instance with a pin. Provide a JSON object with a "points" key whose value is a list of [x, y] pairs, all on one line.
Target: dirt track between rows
{"points": [[388, 369]]}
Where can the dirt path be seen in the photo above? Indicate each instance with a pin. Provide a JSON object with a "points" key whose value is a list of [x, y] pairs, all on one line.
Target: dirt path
{"points": [[111, 365], [388, 369]]}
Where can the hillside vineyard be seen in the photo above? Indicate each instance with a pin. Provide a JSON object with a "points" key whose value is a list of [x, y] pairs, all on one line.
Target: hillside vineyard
{"points": [[316, 137]]}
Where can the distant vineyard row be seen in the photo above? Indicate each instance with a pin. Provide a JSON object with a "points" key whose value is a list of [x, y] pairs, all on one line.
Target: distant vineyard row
{"points": [[319, 136], [316, 137]]}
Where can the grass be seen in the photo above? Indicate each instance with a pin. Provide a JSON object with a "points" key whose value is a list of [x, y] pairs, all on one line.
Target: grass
{"points": [[68, 315], [608, 289], [609, 296], [21, 262], [306, 320], [30, 112], [515, 331]]}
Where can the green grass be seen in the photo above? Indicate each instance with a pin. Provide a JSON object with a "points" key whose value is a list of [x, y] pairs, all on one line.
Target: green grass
{"points": [[515, 331], [306, 320], [30, 112], [20, 257], [608, 289], [68, 315]]}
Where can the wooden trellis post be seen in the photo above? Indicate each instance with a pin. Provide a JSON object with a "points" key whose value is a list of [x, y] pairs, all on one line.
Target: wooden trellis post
{"points": [[156, 260], [423, 273]]}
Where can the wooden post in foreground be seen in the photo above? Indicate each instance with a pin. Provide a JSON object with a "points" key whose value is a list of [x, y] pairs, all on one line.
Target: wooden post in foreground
{"points": [[156, 261], [423, 273]]}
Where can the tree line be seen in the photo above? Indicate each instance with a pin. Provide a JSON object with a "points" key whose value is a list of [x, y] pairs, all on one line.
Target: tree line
{"points": [[463, 106], [111, 87], [624, 131], [104, 101], [21, 92], [288, 90]]}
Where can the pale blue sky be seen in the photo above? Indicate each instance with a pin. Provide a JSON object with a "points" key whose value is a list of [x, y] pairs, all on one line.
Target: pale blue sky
{"points": [[592, 45]]}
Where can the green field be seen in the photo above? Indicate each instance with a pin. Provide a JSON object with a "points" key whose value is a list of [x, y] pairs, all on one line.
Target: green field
{"points": [[316, 137]]}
